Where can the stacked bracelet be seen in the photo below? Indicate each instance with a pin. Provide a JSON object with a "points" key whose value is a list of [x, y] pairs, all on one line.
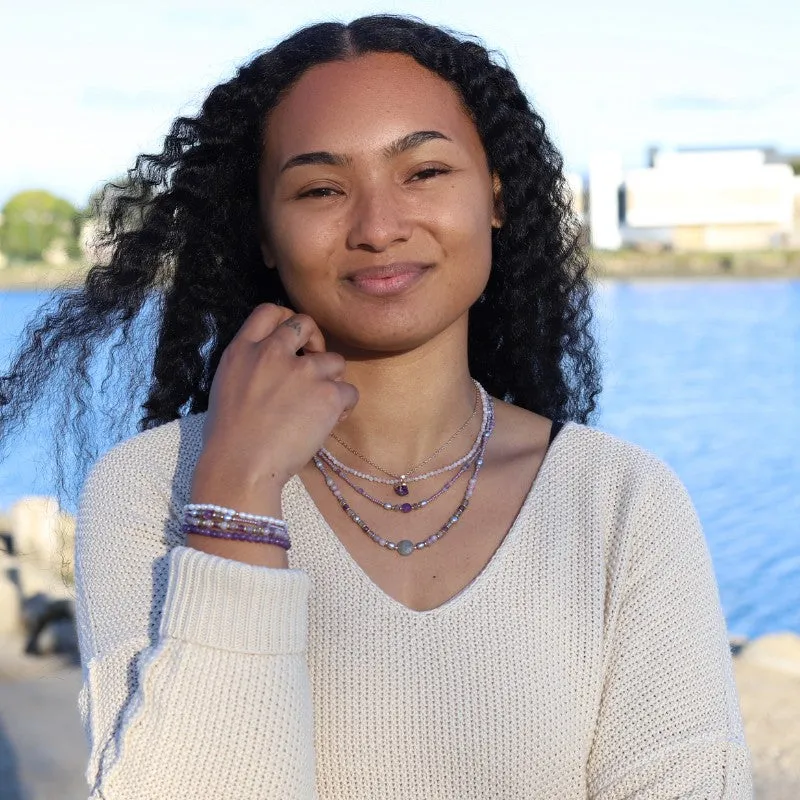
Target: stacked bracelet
{"points": [[218, 522]]}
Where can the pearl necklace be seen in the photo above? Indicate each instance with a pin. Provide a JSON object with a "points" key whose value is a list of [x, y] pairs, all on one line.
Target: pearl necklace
{"points": [[406, 547], [400, 482], [404, 507]]}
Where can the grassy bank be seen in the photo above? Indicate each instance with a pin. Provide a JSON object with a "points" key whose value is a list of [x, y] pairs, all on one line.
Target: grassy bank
{"points": [[621, 264], [31, 276], [753, 264]]}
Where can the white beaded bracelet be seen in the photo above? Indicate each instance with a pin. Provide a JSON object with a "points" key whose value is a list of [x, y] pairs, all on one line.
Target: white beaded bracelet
{"points": [[193, 508]]}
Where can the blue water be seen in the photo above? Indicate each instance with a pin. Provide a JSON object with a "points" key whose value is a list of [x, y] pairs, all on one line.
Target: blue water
{"points": [[704, 374]]}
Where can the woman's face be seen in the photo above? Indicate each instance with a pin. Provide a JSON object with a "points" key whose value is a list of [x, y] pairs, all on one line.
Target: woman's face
{"points": [[377, 203]]}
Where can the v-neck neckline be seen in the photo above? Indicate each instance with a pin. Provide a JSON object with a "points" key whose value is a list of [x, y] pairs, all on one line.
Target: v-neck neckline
{"points": [[506, 543]]}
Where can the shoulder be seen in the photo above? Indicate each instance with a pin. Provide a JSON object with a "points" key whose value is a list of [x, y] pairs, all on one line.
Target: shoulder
{"points": [[628, 488], [585, 467], [595, 451], [153, 459], [588, 454], [620, 467]]}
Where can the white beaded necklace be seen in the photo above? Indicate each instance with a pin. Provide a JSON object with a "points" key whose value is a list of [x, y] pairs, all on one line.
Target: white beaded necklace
{"points": [[401, 482]]}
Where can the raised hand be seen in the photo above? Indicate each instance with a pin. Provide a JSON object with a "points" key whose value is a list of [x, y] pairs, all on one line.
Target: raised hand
{"points": [[270, 409]]}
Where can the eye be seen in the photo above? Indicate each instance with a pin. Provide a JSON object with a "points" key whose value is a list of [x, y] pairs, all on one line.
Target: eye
{"points": [[429, 172], [319, 191]]}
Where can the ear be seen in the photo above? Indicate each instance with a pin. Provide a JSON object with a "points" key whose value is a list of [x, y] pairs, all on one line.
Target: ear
{"points": [[499, 213], [266, 249]]}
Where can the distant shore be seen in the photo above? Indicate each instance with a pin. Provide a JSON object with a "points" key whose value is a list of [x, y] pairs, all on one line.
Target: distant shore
{"points": [[39, 276], [607, 265], [635, 264]]}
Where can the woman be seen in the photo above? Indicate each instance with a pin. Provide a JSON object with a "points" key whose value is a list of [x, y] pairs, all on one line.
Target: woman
{"points": [[353, 552]]}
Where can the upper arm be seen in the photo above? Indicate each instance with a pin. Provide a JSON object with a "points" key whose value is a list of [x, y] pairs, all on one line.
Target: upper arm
{"points": [[669, 723]]}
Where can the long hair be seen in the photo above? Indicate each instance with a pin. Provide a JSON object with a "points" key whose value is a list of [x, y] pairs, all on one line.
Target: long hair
{"points": [[183, 268]]}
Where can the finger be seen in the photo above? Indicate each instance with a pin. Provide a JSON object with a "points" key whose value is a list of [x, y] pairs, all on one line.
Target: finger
{"points": [[327, 366], [300, 331], [262, 321], [348, 394], [316, 340]]}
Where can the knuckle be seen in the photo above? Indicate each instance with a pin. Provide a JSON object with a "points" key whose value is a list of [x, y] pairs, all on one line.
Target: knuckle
{"points": [[330, 394], [306, 365], [232, 349], [267, 347], [299, 317]]}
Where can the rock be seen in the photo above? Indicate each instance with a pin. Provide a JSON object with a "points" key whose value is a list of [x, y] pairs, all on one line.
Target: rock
{"points": [[777, 651], [10, 597], [44, 540], [737, 643], [34, 528], [50, 624]]}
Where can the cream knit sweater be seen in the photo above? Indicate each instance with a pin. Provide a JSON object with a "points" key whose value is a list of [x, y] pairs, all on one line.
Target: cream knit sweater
{"points": [[589, 659]]}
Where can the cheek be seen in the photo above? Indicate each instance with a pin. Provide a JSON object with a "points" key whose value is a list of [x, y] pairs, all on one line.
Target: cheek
{"points": [[465, 229], [304, 248]]}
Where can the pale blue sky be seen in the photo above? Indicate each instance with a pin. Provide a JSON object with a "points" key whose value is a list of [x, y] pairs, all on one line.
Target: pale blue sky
{"points": [[87, 85]]}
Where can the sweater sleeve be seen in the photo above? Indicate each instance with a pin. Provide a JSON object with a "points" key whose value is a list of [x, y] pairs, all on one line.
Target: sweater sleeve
{"points": [[195, 681], [669, 722]]}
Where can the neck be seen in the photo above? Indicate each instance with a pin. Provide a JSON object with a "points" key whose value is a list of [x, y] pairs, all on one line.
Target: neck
{"points": [[409, 405]]}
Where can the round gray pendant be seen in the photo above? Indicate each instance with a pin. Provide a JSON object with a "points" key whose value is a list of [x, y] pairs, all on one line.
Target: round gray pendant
{"points": [[405, 548]]}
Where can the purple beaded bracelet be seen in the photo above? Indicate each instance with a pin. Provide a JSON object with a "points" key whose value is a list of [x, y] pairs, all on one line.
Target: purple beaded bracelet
{"points": [[280, 540], [226, 523]]}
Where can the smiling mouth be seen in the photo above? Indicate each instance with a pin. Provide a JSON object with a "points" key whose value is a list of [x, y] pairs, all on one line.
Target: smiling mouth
{"points": [[387, 270], [389, 279]]}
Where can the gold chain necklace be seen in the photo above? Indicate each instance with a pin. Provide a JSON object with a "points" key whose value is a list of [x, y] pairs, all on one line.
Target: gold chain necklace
{"points": [[402, 489]]}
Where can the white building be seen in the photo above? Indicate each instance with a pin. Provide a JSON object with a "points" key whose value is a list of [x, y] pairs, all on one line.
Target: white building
{"points": [[577, 192], [712, 200], [605, 181]]}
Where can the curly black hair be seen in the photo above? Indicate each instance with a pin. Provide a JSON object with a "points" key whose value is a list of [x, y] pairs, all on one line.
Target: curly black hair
{"points": [[183, 267]]}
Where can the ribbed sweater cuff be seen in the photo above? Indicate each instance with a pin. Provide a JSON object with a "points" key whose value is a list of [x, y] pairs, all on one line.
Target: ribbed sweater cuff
{"points": [[222, 603]]}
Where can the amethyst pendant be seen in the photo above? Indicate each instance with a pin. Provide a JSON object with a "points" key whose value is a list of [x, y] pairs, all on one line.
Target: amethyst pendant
{"points": [[401, 489]]}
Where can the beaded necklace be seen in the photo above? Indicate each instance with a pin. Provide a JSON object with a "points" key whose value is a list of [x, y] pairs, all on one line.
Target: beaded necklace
{"points": [[404, 507], [406, 547], [400, 482]]}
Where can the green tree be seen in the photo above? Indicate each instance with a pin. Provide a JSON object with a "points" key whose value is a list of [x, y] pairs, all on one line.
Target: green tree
{"points": [[103, 197], [34, 221]]}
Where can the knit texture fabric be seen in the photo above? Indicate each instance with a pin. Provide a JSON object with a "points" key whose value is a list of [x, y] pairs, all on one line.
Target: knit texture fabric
{"points": [[589, 659]]}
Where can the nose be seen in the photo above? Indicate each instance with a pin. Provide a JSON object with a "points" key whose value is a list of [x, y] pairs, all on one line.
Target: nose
{"points": [[378, 220]]}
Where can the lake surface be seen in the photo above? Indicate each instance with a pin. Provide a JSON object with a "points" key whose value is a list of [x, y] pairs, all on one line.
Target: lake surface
{"points": [[706, 374]]}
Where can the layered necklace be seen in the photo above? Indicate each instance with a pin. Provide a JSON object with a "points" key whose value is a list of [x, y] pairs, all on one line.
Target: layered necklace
{"points": [[329, 466], [401, 481]]}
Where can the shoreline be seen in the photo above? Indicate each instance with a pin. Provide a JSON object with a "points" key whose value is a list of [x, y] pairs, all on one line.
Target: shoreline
{"points": [[619, 265]]}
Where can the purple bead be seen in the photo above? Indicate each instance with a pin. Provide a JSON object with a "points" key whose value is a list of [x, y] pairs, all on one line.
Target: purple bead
{"points": [[401, 490], [405, 508]]}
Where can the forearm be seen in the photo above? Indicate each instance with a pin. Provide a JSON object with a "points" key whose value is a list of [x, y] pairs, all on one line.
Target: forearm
{"points": [[209, 487]]}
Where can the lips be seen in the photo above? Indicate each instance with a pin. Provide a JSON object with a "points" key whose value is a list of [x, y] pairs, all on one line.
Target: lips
{"points": [[389, 279], [387, 271]]}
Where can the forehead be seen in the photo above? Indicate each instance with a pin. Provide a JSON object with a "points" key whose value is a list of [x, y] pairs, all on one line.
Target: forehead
{"points": [[362, 104]]}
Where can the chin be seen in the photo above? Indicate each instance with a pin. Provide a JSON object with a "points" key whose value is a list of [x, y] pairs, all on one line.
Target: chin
{"points": [[386, 335]]}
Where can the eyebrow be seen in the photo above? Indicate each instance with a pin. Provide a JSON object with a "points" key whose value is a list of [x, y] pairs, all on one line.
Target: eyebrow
{"points": [[401, 145]]}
